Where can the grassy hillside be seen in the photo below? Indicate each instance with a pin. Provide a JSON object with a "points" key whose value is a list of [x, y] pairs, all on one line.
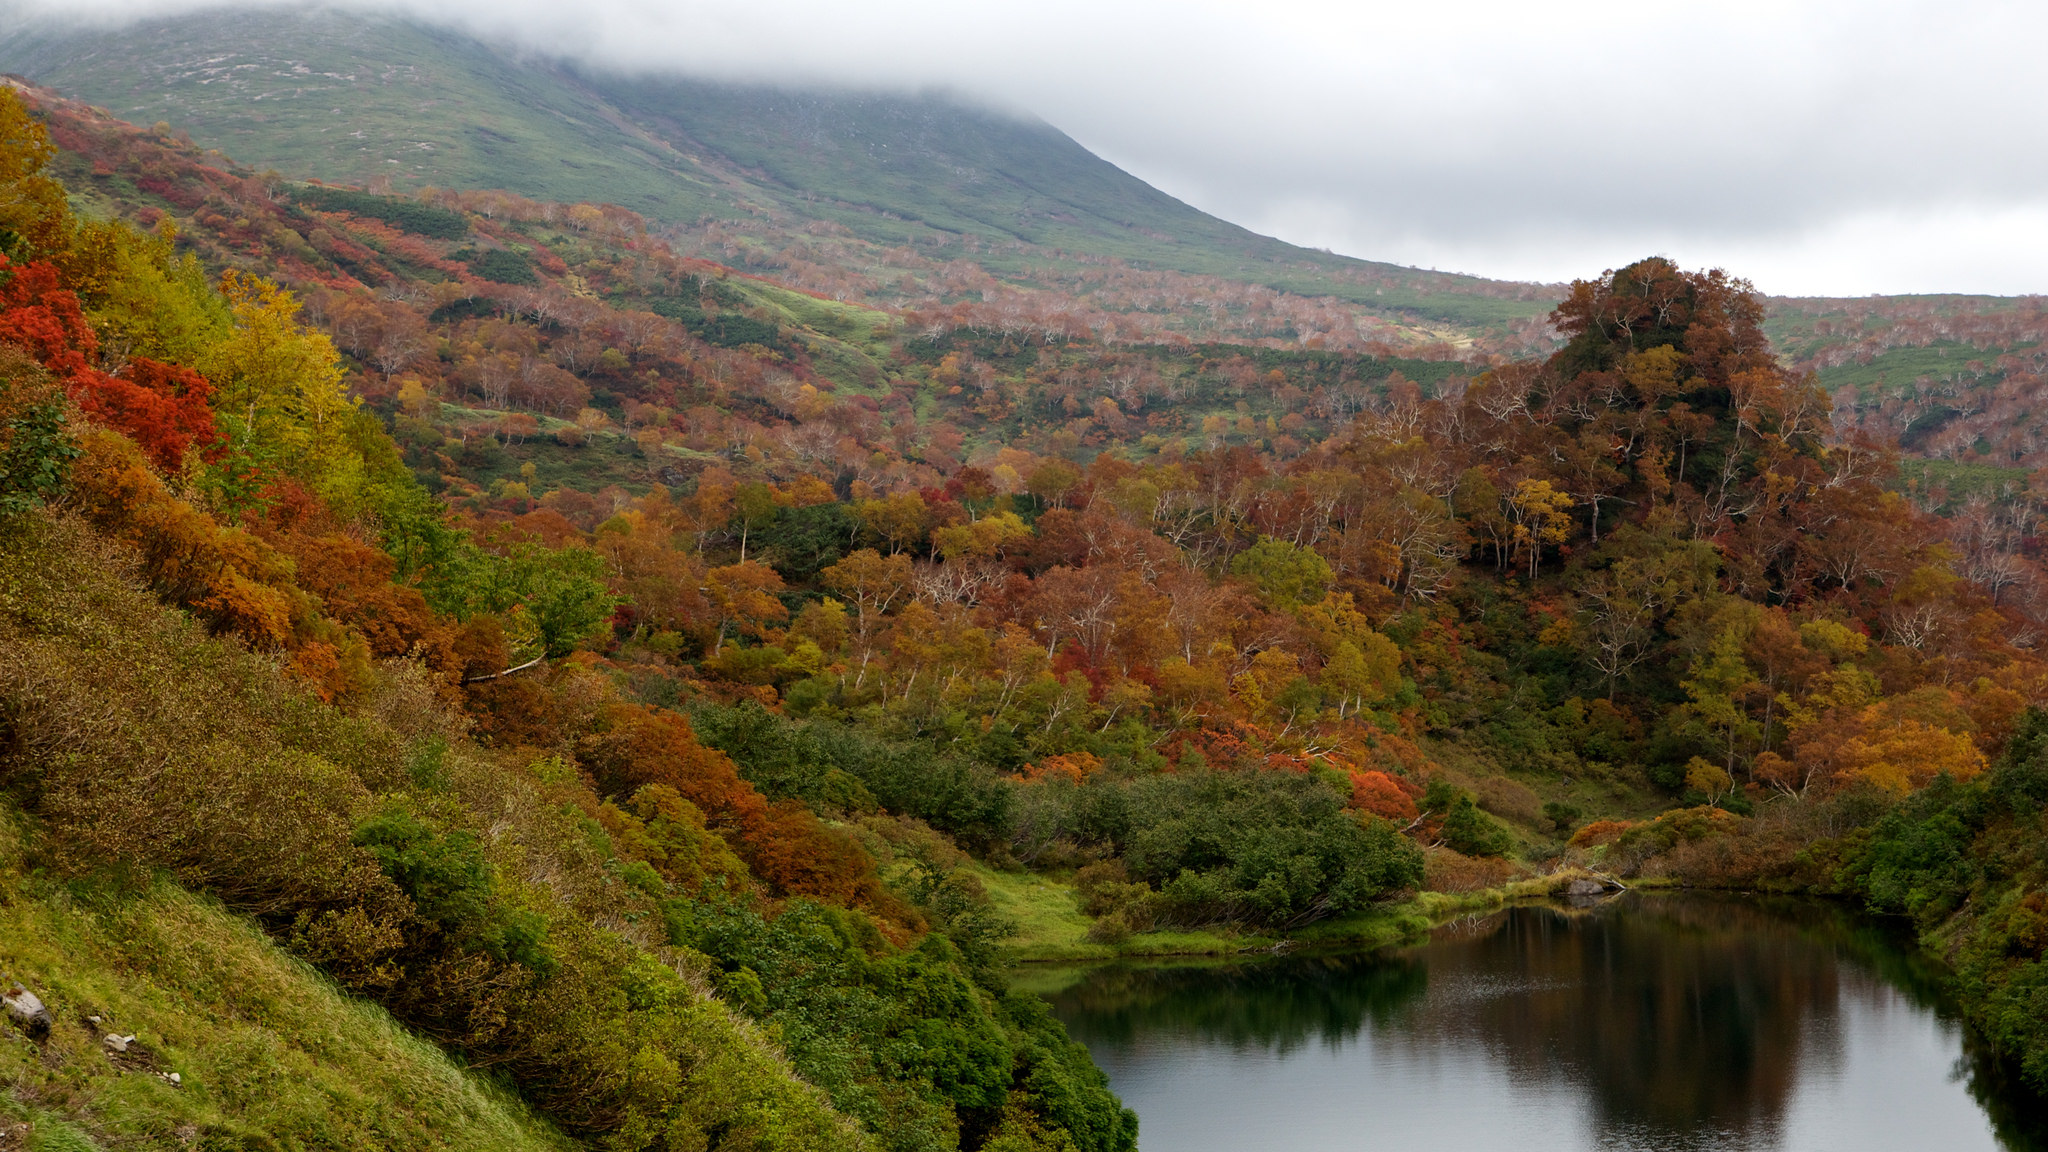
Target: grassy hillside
{"points": [[1958, 378], [352, 100], [265, 1048], [345, 99], [250, 791]]}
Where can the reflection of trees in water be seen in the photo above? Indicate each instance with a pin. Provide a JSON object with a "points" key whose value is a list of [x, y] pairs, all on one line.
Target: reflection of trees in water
{"points": [[2014, 1109], [1886, 948], [1680, 1015], [1277, 1005], [1676, 1015]]}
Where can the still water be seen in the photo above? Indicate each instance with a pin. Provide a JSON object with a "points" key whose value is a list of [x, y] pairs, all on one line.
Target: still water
{"points": [[1649, 1023]]}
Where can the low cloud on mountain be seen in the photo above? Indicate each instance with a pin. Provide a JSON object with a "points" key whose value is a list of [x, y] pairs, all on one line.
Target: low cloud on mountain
{"points": [[1836, 148]]}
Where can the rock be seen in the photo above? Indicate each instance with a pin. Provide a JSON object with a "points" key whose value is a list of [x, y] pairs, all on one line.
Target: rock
{"points": [[118, 1043], [27, 1012], [1584, 887]]}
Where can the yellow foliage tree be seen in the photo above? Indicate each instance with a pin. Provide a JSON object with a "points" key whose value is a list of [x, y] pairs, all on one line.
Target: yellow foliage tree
{"points": [[1540, 517], [900, 519], [1708, 778], [1908, 755], [280, 390], [142, 294], [34, 218], [983, 537]]}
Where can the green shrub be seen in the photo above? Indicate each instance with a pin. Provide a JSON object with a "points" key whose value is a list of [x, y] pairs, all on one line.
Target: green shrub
{"points": [[503, 266], [1469, 831], [725, 329], [450, 885], [1276, 848], [405, 215], [797, 759], [35, 442], [1465, 829], [907, 1041]]}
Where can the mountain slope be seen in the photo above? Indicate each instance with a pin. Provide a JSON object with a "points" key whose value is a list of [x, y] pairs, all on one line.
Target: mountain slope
{"points": [[276, 1054], [348, 99]]}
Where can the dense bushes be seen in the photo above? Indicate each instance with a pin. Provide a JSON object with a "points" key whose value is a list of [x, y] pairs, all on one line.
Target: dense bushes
{"points": [[406, 215], [798, 759], [451, 886], [1274, 848], [786, 847], [924, 1056]]}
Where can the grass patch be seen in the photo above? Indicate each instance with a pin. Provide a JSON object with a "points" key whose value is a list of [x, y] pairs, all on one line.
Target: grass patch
{"points": [[1191, 942], [1052, 927], [1379, 927], [1050, 924]]}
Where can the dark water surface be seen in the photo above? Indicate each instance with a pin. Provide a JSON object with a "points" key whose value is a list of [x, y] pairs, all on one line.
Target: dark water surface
{"points": [[1650, 1022]]}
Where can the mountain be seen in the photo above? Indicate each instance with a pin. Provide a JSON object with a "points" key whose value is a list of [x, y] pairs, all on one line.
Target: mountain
{"points": [[355, 100], [856, 195]]}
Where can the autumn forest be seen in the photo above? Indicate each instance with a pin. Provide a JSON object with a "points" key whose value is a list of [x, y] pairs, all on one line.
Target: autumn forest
{"points": [[672, 675]]}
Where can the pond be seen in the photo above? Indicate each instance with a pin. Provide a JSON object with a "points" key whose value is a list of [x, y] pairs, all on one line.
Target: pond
{"points": [[1647, 1023]]}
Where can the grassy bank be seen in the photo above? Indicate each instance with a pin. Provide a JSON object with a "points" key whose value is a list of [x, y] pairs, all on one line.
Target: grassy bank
{"points": [[1052, 928]]}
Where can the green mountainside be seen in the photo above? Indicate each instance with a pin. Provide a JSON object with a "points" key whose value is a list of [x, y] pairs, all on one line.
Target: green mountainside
{"points": [[347, 99]]}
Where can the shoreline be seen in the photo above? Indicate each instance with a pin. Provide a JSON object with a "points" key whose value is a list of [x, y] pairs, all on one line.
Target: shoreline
{"points": [[1056, 940]]}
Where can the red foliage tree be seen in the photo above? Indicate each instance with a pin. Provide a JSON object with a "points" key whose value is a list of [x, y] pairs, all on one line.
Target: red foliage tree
{"points": [[1383, 796], [40, 314], [784, 845], [162, 407]]}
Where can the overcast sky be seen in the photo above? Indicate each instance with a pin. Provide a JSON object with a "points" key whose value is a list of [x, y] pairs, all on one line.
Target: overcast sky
{"points": [[1817, 148]]}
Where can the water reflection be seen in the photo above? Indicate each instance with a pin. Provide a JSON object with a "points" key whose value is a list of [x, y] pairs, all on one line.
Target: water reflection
{"points": [[1691, 1020], [1276, 1006], [1666, 1022]]}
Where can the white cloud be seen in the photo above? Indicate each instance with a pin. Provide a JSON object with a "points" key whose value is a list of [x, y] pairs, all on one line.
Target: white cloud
{"points": [[1845, 147], [1988, 249]]}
